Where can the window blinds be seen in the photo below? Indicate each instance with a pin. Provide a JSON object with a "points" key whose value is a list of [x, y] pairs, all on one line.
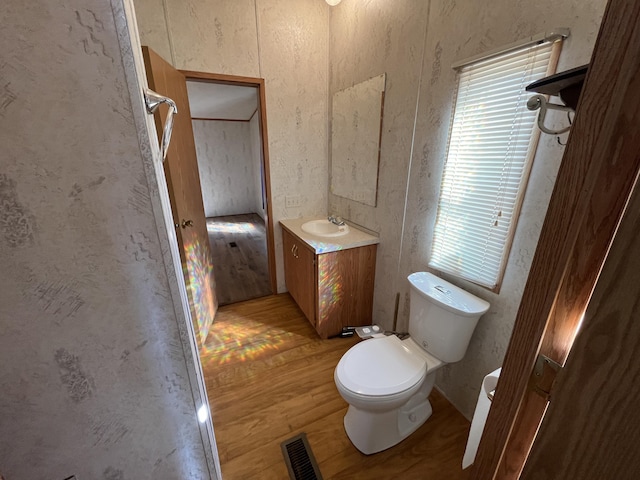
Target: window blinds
{"points": [[491, 147]]}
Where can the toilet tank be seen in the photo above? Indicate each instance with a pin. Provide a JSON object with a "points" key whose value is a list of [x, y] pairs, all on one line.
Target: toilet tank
{"points": [[442, 316]]}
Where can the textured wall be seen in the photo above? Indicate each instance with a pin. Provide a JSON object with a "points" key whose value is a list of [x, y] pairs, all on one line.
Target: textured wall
{"points": [[218, 36], [456, 30], [369, 38], [152, 24], [93, 379], [282, 41], [226, 166]]}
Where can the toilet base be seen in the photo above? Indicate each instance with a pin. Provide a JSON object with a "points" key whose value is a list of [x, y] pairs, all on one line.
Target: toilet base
{"points": [[372, 432]]}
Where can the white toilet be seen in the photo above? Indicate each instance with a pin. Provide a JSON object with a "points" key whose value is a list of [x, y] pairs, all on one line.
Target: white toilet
{"points": [[386, 381]]}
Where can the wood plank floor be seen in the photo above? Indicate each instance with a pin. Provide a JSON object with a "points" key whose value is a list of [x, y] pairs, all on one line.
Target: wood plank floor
{"points": [[239, 251], [269, 376]]}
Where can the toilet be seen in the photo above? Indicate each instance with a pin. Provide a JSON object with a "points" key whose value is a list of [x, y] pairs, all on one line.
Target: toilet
{"points": [[386, 381]]}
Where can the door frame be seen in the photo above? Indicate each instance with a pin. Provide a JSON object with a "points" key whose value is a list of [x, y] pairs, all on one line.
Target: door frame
{"points": [[262, 110], [593, 186]]}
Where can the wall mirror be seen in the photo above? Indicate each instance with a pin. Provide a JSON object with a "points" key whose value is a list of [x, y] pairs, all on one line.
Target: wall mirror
{"points": [[356, 126]]}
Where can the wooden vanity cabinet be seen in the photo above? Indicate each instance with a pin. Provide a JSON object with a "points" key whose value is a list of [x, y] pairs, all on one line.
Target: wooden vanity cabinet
{"points": [[333, 289]]}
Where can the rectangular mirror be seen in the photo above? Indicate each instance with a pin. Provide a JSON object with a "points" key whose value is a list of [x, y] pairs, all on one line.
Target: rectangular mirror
{"points": [[356, 127]]}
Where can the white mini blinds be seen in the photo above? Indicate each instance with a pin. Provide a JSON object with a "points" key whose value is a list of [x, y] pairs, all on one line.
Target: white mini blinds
{"points": [[491, 147]]}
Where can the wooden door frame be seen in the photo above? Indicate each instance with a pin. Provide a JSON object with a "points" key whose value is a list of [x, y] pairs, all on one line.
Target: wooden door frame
{"points": [[595, 180], [259, 84]]}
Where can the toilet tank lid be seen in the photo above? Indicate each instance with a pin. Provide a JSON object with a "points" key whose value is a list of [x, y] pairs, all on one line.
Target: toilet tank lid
{"points": [[447, 295]]}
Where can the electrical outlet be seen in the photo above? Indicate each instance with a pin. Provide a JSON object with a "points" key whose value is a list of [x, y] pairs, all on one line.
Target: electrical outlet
{"points": [[291, 201]]}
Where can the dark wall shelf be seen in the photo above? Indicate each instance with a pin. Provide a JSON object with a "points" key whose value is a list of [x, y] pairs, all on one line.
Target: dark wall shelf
{"points": [[567, 85]]}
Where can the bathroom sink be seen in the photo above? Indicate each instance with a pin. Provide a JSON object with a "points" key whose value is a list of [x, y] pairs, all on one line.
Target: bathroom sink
{"points": [[324, 228]]}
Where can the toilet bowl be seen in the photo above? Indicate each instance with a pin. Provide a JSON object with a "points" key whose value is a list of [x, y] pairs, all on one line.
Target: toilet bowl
{"points": [[386, 381]]}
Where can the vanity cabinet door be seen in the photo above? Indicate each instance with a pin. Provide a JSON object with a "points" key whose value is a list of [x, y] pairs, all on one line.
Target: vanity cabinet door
{"points": [[345, 289], [300, 274]]}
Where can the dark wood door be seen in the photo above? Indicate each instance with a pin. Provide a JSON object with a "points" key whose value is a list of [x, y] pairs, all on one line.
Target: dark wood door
{"points": [[300, 275], [183, 182]]}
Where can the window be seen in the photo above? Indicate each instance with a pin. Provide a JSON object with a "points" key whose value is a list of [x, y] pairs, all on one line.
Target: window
{"points": [[492, 142]]}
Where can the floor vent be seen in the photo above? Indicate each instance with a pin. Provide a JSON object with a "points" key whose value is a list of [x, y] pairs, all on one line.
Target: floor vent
{"points": [[299, 459], [233, 244]]}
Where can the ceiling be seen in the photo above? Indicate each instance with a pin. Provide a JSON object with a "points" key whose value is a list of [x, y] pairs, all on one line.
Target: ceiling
{"points": [[222, 102]]}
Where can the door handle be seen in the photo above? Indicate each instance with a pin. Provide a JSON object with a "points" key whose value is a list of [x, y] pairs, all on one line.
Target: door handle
{"points": [[187, 223]]}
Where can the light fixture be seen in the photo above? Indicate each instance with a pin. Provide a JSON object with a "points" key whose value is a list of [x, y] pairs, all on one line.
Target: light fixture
{"points": [[333, 3]]}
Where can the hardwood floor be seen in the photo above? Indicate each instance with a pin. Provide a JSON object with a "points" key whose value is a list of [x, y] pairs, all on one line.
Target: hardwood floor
{"points": [[239, 251], [269, 376]]}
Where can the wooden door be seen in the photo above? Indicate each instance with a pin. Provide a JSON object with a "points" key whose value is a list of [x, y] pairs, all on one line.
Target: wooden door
{"points": [[594, 183], [183, 182], [300, 274], [592, 428], [345, 289]]}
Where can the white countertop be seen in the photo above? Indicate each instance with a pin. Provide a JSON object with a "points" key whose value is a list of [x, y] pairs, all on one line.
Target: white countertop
{"points": [[355, 238]]}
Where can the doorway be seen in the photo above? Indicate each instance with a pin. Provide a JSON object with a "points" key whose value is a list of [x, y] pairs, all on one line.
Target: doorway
{"points": [[229, 128]]}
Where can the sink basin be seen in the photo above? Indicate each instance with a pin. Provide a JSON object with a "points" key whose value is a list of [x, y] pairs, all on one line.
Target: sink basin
{"points": [[324, 228]]}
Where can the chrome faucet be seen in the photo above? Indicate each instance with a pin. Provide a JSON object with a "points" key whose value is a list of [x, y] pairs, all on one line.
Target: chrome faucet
{"points": [[336, 220]]}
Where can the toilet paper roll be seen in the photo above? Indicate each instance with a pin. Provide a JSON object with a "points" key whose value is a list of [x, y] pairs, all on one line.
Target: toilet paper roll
{"points": [[480, 417]]}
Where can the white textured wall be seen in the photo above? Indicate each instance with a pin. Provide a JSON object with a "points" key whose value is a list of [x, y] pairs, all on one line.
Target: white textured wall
{"points": [[153, 28], [94, 380], [369, 38], [218, 36], [226, 166], [286, 43], [456, 30]]}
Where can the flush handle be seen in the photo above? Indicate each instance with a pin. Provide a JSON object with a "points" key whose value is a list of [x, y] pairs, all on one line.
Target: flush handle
{"points": [[440, 288]]}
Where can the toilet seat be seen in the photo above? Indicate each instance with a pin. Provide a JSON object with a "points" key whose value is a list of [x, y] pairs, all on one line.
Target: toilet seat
{"points": [[380, 367]]}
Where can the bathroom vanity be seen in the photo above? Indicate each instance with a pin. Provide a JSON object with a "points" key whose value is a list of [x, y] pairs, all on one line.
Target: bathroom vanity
{"points": [[330, 274]]}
